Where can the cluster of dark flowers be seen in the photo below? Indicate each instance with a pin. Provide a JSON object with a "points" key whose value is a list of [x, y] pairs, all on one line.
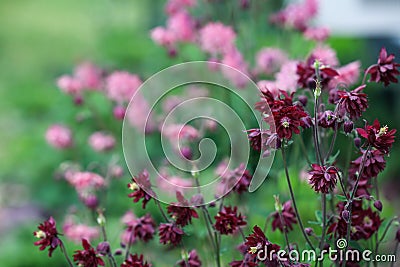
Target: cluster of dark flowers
{"points": [[306, 96]]}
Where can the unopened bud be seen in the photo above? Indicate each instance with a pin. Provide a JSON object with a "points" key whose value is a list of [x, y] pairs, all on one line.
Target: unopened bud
{"points": [[346, 215], [309, 231], [303, 100], [103, 248], [357, 142], [348, 126], [119, 112], [378, 205]]}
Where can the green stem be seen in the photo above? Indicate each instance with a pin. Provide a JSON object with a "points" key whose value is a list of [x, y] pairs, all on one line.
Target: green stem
{"points": [[64, 251]]}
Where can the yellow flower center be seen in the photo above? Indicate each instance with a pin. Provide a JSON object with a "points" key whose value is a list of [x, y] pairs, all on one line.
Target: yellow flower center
{"points": [[383, 130], [40, 234], [133, 186]]}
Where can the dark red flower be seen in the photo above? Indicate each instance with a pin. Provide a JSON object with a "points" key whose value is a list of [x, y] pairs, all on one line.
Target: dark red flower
{"points": [[288, 216], [323, 179], [354, 102], [140, 185], [327, 119], [182, 214], [379, 137], [258, 242], [288, 120], [228, 220], [87, 257], [48, 236], [364, 222], [193, 260], [374, 164], [135, 260], [386, 70], [170, 233], [143, 228], [255, 138], [307, 76]]}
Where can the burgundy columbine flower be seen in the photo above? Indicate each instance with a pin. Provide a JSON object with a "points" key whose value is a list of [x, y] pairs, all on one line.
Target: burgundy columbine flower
{"points": [[181, 212], [257, 242], [48, 236], [143, 228], [354, 102], [170, 233], [327, 119], [385, 70], [138, 183], [193, 260], [288, 120], [135, 260], [288, 217], [364, 222], [228, 220], [323, 179], [379, 137], [374, 164], [255, 138], [87, 257], [307, 77]]}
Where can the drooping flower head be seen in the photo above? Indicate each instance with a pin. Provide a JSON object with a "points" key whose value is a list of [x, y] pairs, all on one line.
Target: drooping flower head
{"points": [[143, 228], [48, 236], [228, 220], [307, 75], [354, 102], [386, 70], [378, 137], [288, 217], [87, 256], [181, 212], [138, 183], [374, 164], [192, 261], [170, 233], [323, 179], [135, 260], [257, 242]]}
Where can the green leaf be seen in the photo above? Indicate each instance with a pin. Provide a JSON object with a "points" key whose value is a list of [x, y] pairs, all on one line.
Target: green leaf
{"points": [[341, 197], [332, 159]]}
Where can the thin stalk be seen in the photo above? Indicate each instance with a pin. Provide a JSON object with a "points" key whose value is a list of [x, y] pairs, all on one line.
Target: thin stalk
{"points": [[284, 230], [161, 210], [322, 242], [396, 247], [64, 251], [128, 248], [304, 150], [294, 200]]}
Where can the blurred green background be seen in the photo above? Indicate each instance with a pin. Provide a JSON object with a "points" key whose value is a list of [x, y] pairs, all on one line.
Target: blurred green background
{"points": [[40, 40]]}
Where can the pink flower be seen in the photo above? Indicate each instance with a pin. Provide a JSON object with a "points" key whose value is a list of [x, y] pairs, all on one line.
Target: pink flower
{"points": [[89, 75], [270, 60], [174, 6], [69, 85], [326, 55], [216, 38], [129, 220], [85, 180], [139, 115], [77, 232], [59, 136], [271, 86], [286, 78], [101, 142], [182, 26], [163, 36], [172, 184], [234, 59], [318, 34], [174, 132], [348, 75], [121, 86]]}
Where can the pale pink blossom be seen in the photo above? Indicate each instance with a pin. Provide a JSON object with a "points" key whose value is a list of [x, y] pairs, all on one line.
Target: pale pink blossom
{"points": [[326, 55], [129, 220], [122, 85], [182, 25], [77, 232], [100, 141], [238, 75], [70, 85], [163, 37], [85, 180], [119, 112], [318, 34], [172, 184], [59, 136], [348, 75], [216, 37], [286, 78], [139, 114], [175, 132], [174, 6], [265, 85], [116, 171], [269, 60], [89, 75]]}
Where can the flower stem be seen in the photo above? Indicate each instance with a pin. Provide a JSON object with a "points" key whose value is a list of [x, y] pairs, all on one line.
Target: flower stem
{"points": [[294, 200], [64, 251]]}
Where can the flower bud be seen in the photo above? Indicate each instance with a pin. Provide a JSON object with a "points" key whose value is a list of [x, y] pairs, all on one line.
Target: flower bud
{"points": [[91, 202], [398, 235], [78, 100], [119, 112], [186, 152], [357, 142], [103, 248], [378, 205], [118, 252], [309, 231], [244, 4], [348, 126], [346, 215], [303, 100]]}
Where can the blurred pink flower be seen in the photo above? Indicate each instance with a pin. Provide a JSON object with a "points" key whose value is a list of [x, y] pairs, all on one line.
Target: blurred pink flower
{"points": [[265, 85], [269, 60], [326, 55], [348, 75], [89, 75], [216, 37], [77, 232], [163, 36], [116, 171], [175, 132], [59, 136], [129, 220], [121, 86], [85, 180], [100, 141], [174, 6], [139, 115], [234, 59], [286, 78], [172, 184], [119, 112], [182, 25], [318, 34], [69, 85]]}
